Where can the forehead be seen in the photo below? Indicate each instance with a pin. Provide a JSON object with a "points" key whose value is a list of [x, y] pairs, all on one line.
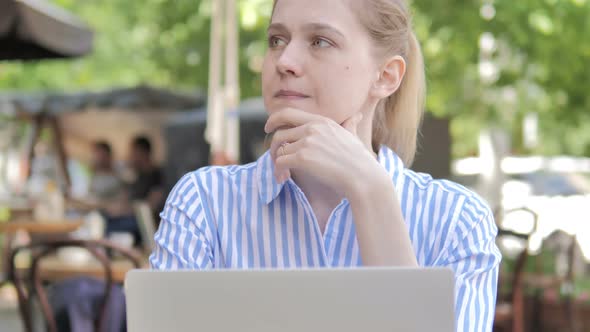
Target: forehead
{"points": [[337, 13]]}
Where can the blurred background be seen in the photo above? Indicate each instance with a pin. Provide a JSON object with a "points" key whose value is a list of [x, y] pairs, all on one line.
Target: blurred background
{"points": [[105, 105]]}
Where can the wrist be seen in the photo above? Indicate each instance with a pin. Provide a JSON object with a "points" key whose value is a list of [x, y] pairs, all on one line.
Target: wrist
{"points": [[371, 184]]}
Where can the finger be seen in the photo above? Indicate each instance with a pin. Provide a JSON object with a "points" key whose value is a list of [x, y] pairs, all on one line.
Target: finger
{"points": [[281, 174], [289, 117], [291, 148], [289, 153], [284, 173], [352, 123], [286, 136], [289, 161]]}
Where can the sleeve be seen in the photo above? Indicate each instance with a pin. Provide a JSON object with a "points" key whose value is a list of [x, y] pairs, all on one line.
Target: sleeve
{"points": [[184, 238], [475, 258]]}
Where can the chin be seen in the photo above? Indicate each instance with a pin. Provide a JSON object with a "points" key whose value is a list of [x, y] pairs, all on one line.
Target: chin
{"points": [[275, 105]]}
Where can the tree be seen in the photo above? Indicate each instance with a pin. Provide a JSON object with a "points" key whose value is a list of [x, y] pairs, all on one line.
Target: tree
{"points": [[539, 63], [534, 60]]}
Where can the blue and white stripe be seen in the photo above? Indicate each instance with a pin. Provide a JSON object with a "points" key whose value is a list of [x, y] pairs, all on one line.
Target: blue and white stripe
{"points": [[240, 217]]}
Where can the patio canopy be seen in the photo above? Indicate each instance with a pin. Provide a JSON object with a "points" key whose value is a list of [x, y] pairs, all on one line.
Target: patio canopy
{"points": [[116, 116], [140, 98], [36, 29]]}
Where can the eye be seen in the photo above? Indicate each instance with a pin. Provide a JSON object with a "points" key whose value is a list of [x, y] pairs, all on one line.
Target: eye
{"points": [[321, 43], [274, 41]]}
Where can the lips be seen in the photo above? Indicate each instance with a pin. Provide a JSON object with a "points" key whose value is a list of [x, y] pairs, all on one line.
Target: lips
{"points": [[290, 94]]}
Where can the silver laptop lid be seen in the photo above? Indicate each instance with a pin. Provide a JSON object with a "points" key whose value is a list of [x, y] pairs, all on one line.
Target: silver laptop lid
{"points": [[342, 300]]}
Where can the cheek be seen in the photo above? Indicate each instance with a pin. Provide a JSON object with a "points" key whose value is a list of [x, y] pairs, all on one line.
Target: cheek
{"points": [[266, 83], [359, 79], [268, 69], [347, 92]]}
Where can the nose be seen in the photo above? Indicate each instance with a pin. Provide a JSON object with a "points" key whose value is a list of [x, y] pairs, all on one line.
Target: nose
{"points": [[290, 61]]}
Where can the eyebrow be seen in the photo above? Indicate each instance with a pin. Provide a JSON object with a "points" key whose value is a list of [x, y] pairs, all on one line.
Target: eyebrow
{"points": [[308, 27]]}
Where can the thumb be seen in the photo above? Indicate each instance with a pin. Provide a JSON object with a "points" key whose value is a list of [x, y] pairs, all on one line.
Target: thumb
{"points": [[352, 123]]}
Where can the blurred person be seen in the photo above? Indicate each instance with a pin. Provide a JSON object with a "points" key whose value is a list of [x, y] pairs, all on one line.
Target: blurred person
{"points": [[343, 83], [146, 186], [148, 180], [105, 184]]}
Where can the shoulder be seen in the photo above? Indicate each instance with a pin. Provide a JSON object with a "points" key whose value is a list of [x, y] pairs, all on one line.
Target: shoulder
{"points": [[209, 177], [457, 212], [467, 200], [212, 182]]}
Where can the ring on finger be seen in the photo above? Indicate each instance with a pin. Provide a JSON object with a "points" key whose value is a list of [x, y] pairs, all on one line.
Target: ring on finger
{"points": [[282, 149]]}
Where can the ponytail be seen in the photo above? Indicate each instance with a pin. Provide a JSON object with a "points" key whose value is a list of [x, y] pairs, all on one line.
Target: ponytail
{"points": [[398, 118]]}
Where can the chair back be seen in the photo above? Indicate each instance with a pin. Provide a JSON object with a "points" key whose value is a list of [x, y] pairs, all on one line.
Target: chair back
{"points": [[147, 225], [29, 284], [516, 295]]}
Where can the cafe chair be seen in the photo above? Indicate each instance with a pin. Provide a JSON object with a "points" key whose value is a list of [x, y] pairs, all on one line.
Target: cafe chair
{"points": [[29, 283], [563, 315], [147, 225], [510, 309]]}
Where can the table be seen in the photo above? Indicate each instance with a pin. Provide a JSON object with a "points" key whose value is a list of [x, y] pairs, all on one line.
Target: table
{"points": [[53, 269], [41, 227], [83, 205], [21, 211]]}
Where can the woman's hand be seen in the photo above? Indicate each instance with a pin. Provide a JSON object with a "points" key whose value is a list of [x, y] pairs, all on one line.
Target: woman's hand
{"points": [[319, 146], [335, 155]]}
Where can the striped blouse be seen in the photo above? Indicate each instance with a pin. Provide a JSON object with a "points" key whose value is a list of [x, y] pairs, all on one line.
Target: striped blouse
{"points": [[240, 217]]}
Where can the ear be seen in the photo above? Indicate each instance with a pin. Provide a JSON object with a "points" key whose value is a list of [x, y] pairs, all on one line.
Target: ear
{"points": [[390, 78]]}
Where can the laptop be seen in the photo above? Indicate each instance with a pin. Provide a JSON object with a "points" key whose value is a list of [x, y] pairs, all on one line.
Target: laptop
{"points": [[339, 300]]}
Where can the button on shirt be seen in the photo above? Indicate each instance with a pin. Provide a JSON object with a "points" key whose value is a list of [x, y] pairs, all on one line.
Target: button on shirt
{"points": [[240, 217]]}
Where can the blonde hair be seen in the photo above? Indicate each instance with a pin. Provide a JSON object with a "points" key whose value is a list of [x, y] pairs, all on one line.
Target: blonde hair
{"points": [[397, 118]]}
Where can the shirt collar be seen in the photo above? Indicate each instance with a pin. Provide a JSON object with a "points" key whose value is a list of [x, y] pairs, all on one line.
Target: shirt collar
{"points": [[269, 188]]}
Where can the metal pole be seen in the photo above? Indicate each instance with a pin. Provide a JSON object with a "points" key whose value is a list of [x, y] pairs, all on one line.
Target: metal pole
{"points": [[232, 83], [215, 112]]}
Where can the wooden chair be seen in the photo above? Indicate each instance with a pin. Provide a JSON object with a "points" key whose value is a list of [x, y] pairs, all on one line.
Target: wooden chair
{"points": [[570, 301], [510, 313], [565, 313], [147, 225], [30, 285]]}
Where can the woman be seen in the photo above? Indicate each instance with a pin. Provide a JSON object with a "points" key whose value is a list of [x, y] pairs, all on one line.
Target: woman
{"points": [[343, 83]]}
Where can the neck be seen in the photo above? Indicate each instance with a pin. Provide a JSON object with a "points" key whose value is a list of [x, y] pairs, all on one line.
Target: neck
{"points": [[315, 191], [322, 199]]}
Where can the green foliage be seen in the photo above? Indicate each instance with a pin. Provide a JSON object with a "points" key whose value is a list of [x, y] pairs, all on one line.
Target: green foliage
{"points": [[158, 42], [540, 55], [541, 61]]}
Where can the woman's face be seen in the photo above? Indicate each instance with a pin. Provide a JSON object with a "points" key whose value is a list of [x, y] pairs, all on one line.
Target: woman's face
{"points": [[319, 59]]}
